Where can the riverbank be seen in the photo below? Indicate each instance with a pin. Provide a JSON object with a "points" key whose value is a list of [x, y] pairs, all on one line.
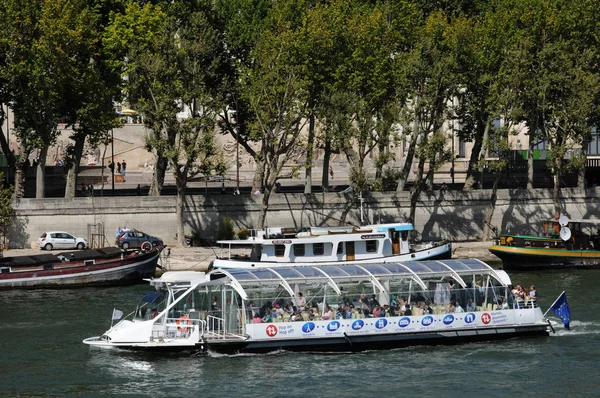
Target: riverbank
{"points": [[199, 258]]}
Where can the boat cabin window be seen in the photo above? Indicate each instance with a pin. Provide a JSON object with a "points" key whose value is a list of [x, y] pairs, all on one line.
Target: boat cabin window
{"points": [[404, 235], [318, 249], [340, 248], [279, 250], [371, 246], [299, 250]]}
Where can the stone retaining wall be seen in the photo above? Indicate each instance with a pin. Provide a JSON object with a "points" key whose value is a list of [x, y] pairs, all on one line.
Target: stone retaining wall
{"points": [[453, 215]]}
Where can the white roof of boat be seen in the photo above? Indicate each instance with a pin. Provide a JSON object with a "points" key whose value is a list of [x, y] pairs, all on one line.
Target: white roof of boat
{"points": [[417, 270], [180, 276]]}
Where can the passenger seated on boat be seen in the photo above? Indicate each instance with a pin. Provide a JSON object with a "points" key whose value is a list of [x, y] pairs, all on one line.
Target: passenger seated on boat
{"points": [[458, 308], [327, 314], [407, 310], [470, 305], [268, 318], [257, 319], [451, 307], [428, 309]]}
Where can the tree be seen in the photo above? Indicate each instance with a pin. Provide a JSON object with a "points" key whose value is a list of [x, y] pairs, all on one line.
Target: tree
{"points": [[49, 49], [431, 71], [278, 97], [174, 81], [555, 78]]}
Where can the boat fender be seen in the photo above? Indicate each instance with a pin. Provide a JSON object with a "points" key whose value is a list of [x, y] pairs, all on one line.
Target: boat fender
{"points": [[183, 320], [349, 341]]}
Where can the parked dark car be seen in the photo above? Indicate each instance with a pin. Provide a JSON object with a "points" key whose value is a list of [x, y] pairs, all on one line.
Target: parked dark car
{"points": [[133, 239]]}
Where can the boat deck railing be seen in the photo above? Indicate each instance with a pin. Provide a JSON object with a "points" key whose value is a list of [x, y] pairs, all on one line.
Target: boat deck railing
{"points": [[215, 329], [178, 328]]}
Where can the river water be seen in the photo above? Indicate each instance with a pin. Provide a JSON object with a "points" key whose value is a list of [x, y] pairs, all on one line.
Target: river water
{"points": [[42, 355]]}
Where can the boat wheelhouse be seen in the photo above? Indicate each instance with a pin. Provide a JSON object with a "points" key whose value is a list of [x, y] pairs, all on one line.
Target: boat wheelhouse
{"points": [[348, 307], [273, 247], [561, 243]]}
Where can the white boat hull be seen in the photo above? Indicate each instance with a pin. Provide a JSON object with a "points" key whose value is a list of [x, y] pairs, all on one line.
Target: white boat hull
{"points": [[443, 251]]}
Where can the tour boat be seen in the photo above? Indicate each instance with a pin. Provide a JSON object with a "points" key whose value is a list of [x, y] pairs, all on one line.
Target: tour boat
{"points": [[274, 247], [95, 267], [562, 243], [345, 307]]}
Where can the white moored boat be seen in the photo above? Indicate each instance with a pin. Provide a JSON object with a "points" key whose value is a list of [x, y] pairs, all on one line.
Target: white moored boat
{"points": [[348, 307], [274, 247]]}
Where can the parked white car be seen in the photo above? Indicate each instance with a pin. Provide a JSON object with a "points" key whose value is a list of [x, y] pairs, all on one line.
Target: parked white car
{"points": [[61, 240]]}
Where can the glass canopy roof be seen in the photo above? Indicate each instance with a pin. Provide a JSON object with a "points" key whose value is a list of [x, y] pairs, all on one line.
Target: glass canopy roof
{"points": [[416, 270]]}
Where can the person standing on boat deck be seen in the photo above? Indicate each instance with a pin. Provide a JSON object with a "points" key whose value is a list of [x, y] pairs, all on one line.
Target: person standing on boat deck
{"points": [[300, 301], [532, 293]]}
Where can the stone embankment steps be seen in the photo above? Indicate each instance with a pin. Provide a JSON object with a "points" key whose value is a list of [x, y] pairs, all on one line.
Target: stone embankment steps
{"points": [[199, 258]]}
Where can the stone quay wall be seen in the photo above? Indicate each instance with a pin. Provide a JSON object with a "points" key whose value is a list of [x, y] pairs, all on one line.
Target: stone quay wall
{"points": [[452, 215]]}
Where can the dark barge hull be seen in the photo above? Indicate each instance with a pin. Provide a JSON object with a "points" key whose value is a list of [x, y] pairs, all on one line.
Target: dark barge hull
{"points": [[523, 258], [100, 267]]}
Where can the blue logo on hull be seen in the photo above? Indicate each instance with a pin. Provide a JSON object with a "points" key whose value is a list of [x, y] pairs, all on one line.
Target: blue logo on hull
{"points": [[448, 319], [381, 323], [470, 317], [404, 322], [308, 327], [358, 324], [333, 326], [427, 321]]}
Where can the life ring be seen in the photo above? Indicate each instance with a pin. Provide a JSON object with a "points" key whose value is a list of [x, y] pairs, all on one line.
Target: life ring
{"points": [[146, 246], [184, 320]]}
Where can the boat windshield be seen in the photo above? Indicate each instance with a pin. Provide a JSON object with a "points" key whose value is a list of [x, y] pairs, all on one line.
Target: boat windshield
{"points": [[150, 305]]}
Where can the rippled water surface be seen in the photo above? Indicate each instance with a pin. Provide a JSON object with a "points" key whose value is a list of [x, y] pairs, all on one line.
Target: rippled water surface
{"points": [[42, 354]]}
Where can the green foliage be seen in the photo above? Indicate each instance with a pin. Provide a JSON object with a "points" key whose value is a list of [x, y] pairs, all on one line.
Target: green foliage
{"points": [[225, 231], [242, 234], [7, 211]]}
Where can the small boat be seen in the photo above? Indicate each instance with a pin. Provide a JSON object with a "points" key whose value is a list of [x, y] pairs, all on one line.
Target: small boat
{"points": [[274, 247], [337, 308], [95, 267], [562, 243]]}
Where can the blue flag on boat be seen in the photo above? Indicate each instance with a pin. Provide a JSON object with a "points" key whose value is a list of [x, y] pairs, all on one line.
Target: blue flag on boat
{"points": [[561, 309]]}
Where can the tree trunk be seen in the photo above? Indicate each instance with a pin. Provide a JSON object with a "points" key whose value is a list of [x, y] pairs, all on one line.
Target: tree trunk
{"points": [[556, 193], [473, 173], [416, 191], [179, 212], [71, 185], [408, 161], [158, 178], [530, 165], [263, 209], [20, 180], [40, 178], [257, 182], [310, 147], [326, 163], [487, 222]]}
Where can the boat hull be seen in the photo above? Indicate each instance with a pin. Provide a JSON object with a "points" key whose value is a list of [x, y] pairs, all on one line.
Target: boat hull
{"points": [[519, 258], [353, 343], [378, 342], [439, 252], [127, 269]]}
